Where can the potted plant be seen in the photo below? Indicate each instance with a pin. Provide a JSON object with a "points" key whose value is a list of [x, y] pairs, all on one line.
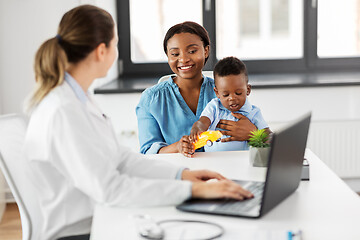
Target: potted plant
{"points": [[259, 147]]}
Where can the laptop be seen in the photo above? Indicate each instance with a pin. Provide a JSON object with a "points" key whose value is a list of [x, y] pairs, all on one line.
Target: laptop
{"points": [[282, 178]]}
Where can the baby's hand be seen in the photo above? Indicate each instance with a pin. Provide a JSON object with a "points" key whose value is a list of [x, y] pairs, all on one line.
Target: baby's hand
{"points": [[185, 147], [195, 134], [199, 127]]}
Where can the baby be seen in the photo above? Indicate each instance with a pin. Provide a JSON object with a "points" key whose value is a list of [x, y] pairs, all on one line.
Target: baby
{"points": [[232, 89]]}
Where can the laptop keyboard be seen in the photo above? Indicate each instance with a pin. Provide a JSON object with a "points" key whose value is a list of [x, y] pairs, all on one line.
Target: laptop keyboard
{"points": [[231, 205]]}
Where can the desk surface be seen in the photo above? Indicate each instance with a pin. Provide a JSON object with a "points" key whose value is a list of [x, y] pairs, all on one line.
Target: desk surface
{"points": [[323, 208]]}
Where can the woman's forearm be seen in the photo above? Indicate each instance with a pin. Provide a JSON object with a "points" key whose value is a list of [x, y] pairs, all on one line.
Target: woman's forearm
{"points": [[172, 148]]}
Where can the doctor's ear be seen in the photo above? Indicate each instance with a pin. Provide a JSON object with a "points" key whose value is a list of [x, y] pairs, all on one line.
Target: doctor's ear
{"points": [[100, 51]]}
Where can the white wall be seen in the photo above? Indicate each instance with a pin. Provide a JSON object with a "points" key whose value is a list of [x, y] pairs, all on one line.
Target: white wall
{"points": [[24, 25]]}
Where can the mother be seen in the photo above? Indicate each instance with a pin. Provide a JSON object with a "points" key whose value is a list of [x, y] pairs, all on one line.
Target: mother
{"points": [[167, 111]]}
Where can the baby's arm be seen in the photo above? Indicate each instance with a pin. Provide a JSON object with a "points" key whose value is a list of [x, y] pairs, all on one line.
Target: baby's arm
{"points": [[199, 126]]}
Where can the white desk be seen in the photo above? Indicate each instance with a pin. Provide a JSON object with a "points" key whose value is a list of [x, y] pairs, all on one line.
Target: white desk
{"points": [[323, 208]]}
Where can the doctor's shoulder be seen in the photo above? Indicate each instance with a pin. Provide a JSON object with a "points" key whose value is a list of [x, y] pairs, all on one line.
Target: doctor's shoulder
{"points": [[58, 98]]}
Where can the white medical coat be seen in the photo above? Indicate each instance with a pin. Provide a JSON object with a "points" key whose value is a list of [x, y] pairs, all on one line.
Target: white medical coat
{"points": [[76, 163]]}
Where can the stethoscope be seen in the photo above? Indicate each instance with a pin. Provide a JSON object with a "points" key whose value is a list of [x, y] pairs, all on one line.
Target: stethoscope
{"points": [[155, 231]]}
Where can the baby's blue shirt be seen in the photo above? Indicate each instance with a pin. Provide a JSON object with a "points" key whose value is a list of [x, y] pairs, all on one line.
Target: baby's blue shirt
{"points": [[216, 111]]}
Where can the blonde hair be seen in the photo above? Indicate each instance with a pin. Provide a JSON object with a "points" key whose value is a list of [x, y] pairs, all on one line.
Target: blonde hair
{"points": [[80, 31], [50, 66]]}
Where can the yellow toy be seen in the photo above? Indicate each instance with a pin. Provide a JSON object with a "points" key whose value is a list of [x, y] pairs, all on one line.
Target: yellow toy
{"points": [[207, 138]]}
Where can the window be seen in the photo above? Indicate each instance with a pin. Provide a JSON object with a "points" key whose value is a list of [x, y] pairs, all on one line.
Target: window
{"points": [[338, 29], [255, 29], [269, 35], [149, 22]]}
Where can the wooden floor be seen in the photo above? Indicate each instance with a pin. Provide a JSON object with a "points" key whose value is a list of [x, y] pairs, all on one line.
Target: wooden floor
{"points": [[10, 225]]}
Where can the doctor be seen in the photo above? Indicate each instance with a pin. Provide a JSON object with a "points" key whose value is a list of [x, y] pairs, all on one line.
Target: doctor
{"points": [[74, 156]]}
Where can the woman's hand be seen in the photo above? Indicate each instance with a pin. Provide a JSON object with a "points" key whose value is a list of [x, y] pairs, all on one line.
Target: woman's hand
{"points": [[239, 130], [222, 189], [200, 175], [185, 147]]}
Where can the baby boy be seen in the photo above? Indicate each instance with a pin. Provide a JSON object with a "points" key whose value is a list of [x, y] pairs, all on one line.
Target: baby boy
{"points": [[232, 89]]}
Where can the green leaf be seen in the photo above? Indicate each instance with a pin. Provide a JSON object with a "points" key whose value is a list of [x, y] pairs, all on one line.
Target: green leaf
{"points": [[259, 138]]}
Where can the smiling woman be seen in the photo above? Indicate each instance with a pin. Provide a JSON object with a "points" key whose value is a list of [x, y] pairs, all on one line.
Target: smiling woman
{"points": [[167, 110], [186, 57]]}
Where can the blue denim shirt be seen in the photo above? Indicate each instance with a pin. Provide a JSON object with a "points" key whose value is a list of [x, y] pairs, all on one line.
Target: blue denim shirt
{"points": [[163, 115]]}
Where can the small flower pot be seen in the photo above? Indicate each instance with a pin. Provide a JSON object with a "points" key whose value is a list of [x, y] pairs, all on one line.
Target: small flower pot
{"points": [[259, 156]]}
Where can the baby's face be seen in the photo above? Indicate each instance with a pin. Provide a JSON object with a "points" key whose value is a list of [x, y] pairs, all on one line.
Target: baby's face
{"points": [[232, 91]]}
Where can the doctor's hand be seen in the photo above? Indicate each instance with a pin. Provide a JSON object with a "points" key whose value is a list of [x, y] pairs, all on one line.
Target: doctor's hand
{"points": [[222, 189], [200, 175], [239, 130]]}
